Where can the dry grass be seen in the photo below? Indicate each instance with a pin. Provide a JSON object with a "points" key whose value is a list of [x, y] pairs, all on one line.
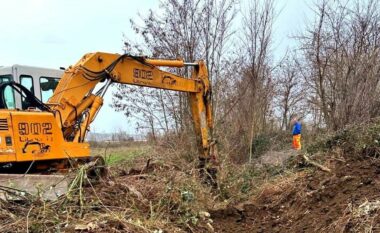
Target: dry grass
{"points": [[149, 189], [362, 217], [156, 188]]}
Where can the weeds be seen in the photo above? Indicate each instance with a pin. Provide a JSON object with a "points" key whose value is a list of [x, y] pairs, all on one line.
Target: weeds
{"points": [[148, 190]]}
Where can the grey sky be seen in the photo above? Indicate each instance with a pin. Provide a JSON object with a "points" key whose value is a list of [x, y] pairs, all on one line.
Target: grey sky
{"points": [[54, 33]]}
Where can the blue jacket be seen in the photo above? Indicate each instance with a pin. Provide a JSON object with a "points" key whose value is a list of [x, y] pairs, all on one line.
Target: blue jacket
{"points": [[297, 128]]}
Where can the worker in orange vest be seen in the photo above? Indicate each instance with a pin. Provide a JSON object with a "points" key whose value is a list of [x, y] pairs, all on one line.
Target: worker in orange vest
{"points": [[297, 127]]}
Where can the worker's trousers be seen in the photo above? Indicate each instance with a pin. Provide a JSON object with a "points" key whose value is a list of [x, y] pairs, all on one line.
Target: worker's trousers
{"points": [[297, 142]]}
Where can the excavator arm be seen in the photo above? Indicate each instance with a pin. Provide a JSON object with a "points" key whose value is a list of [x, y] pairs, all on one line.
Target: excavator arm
{"points": [[77, 104]]}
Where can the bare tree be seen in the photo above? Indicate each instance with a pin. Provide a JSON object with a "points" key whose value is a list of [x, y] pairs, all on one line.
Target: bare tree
{"points": [[290, 94], [255, 86], [333, 77], [188, 29], [340, 66]]}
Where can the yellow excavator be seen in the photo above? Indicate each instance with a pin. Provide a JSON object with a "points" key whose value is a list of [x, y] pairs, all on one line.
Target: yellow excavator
{"points": [[41, 140]]}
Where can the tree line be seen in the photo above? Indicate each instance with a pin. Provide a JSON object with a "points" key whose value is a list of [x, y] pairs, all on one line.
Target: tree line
{"points": [[329, 78]]}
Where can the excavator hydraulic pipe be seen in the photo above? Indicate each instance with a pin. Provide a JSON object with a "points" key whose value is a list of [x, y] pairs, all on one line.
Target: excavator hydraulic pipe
{"points": [[98, 102], [190, 64], [85, 104], [169, 63]]}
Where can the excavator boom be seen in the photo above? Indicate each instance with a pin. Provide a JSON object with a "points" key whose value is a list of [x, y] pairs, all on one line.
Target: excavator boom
{"points": [[74, 96]]}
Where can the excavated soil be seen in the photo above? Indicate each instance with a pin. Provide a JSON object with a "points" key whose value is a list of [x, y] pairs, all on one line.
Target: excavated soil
{"points": [[344, 200]]}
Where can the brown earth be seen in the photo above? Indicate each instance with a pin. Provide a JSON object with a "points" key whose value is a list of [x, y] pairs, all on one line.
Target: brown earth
{"points": [[345, 200], [157, 196]]}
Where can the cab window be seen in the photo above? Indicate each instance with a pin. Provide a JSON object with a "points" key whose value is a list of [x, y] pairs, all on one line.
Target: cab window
{"points": [[8, 92], [48, 85], [27, 82]]}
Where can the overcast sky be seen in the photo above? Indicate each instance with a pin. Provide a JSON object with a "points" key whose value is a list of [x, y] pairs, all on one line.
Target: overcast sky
{"points": [[55, 33]]}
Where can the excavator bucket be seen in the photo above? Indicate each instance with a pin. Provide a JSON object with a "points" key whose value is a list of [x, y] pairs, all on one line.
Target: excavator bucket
{"points": [[20, 186]]}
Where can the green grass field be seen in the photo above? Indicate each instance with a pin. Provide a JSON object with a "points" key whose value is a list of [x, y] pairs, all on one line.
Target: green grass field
{"points": [[122, 153]]}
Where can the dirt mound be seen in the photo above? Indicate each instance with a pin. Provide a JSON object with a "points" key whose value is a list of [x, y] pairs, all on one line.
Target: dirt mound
{"points": [[347, 199], [316, 202]]}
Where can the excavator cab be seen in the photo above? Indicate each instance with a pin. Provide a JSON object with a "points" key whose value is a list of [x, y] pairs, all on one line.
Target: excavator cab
{"points": [[39, 81]]}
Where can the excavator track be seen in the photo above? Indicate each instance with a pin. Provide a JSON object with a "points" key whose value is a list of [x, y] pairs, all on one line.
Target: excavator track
{"points": [[47, 185], [20, 186]]}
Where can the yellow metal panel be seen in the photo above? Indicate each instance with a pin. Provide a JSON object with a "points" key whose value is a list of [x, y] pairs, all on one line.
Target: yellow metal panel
{"points": [[76, 150], [36, 136], [131, 71]]}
